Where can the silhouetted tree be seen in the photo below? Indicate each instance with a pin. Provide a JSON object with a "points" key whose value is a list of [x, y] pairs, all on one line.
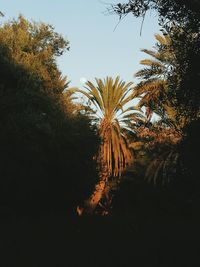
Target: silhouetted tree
{"points": [[179, 11], [46, 151], [181, 21]]}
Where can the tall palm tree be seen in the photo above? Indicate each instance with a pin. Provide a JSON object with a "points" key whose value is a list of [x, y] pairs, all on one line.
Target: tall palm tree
{"points": [[152, 90], [110, 102]]}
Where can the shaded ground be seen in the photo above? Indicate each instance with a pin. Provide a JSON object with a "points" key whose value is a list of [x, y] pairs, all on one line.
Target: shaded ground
{"points": [[148, 227], [59, 240]]}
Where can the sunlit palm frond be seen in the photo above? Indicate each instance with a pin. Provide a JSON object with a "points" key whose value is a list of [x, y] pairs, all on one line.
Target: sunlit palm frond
{"points": [[152, 63], [113, 99], [111, 103], [152, 90]]}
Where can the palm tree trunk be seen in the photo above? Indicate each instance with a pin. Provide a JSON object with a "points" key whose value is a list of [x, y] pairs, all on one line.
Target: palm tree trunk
{"points": [[91, 203]]}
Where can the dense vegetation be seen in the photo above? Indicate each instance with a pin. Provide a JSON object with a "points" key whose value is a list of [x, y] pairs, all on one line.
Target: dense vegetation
{"points": [[105, 156], [54, 151], [42, 137]]}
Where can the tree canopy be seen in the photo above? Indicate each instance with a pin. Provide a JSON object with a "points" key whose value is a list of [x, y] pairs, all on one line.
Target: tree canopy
{"points": [[36, 46], [180, 20], [180, 11], [41, 138]]}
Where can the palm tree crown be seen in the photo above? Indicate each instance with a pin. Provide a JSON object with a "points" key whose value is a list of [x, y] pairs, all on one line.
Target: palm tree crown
{"points": [[153, 87], [108, 105]]}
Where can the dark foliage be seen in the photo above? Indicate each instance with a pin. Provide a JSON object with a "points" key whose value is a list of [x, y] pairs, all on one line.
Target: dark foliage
{"points": [[46, 156], [180, 20], [190, 147], [184, 81], [169, 10]]}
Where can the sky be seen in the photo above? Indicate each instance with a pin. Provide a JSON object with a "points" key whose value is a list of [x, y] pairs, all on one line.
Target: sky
{"points": [[97, 49]]}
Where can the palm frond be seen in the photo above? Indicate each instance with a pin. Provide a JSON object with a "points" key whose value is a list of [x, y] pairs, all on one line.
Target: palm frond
{"points": [[111, 97]]}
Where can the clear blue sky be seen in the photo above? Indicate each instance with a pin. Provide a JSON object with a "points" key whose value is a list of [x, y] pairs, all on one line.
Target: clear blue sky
{"points": [[96, 50]]}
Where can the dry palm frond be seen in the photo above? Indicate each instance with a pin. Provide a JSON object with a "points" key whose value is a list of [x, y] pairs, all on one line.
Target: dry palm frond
{"points": [[161, 142], [162, 167]]}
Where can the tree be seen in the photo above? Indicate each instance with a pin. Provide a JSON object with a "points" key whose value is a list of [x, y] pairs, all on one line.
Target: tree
{"points": [[153, 87], [180, 20], [46, 151], [154, 90], [108, 104], [159, 139], [36, 46], [179, 11], [185, 79]]}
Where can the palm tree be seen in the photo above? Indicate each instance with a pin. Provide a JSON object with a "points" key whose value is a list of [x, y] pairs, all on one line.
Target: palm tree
{"points": [[152, 90], [109, 105]]}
